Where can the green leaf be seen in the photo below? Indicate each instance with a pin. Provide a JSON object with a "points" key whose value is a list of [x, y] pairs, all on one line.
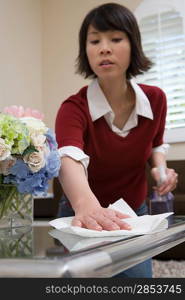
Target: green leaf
{"points": [[29, 150]]}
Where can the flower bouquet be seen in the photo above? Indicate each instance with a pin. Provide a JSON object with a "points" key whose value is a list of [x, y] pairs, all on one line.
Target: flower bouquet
{"points": [[29, 159]]}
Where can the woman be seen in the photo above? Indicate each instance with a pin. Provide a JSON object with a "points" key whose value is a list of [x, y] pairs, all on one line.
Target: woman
{"points": [[110, 129]]}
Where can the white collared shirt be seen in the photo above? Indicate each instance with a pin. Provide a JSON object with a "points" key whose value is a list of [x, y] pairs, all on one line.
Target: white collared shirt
{"points": [[99, 107]]}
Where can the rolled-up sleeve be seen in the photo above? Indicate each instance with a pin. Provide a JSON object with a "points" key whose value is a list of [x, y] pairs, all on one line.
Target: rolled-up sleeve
{"points": [[162, 149], [76, 154]]}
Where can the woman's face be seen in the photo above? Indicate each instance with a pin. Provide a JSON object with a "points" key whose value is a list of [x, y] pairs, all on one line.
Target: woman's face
{"points": [[108, 52]]}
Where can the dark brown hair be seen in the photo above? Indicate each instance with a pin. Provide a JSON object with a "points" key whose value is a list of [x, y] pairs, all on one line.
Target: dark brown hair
{"points": [[113, 16]]}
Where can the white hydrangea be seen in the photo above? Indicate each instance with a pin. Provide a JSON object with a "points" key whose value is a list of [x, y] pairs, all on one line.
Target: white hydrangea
{"points": [[35, 126], [4, 150]]}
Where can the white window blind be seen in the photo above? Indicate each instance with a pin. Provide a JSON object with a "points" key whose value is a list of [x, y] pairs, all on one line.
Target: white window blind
{"points": [[163, 42]]}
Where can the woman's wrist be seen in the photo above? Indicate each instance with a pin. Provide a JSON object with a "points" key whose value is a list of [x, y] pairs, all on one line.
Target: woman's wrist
{"points": [[85, 203]]}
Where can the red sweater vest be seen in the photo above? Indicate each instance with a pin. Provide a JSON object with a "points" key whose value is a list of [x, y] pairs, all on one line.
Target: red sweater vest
{"points": [[117, 164]]}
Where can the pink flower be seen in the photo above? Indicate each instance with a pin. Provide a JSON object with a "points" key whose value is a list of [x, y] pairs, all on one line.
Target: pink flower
{"points": [[20, 112], [16, 111]]}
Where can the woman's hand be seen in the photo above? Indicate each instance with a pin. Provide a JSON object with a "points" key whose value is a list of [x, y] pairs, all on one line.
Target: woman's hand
{"points": [[170, 182], [88, 211], [99, 218]]}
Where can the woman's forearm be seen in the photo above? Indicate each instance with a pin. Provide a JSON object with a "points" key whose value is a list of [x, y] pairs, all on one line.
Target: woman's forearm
{"points": [[157, 159], [75, 184]]}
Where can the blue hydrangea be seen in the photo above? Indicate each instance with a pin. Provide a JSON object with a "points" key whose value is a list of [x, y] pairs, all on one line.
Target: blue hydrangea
{"points": [[20, 169], [52, 163], [51, 139]]}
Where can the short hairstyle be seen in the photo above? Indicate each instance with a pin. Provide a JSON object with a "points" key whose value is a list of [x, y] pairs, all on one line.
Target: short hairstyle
{"points": [[113, 16]]}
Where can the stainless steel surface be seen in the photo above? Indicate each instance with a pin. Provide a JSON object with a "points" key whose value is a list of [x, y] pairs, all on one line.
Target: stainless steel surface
{"points": [[103, 261], [52, 268], [125, 254]]}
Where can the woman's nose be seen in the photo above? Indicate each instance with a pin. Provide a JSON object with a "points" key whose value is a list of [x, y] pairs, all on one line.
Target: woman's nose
{"points": [[105, 48]]}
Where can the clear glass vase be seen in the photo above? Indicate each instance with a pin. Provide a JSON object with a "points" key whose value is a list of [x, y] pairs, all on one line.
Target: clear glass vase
{"points": [[17, 244], [16, 209]]}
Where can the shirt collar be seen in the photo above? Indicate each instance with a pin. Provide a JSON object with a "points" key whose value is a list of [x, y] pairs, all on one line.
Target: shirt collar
{"points": [[99, 106]]}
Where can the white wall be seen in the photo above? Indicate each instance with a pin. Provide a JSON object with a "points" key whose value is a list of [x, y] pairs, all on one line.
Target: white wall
{"points": [[20, 53]]}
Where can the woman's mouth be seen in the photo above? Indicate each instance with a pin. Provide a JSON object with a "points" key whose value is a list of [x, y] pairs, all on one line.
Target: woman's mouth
{"points": [[106, 63]]}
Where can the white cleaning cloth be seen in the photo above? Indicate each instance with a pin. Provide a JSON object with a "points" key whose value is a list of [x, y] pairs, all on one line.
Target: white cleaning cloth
{"points": [[140, 225], [75, 242]]}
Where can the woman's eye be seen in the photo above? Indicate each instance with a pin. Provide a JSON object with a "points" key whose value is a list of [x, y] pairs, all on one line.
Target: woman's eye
{"points": [[117, 40], [94, 42]]}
